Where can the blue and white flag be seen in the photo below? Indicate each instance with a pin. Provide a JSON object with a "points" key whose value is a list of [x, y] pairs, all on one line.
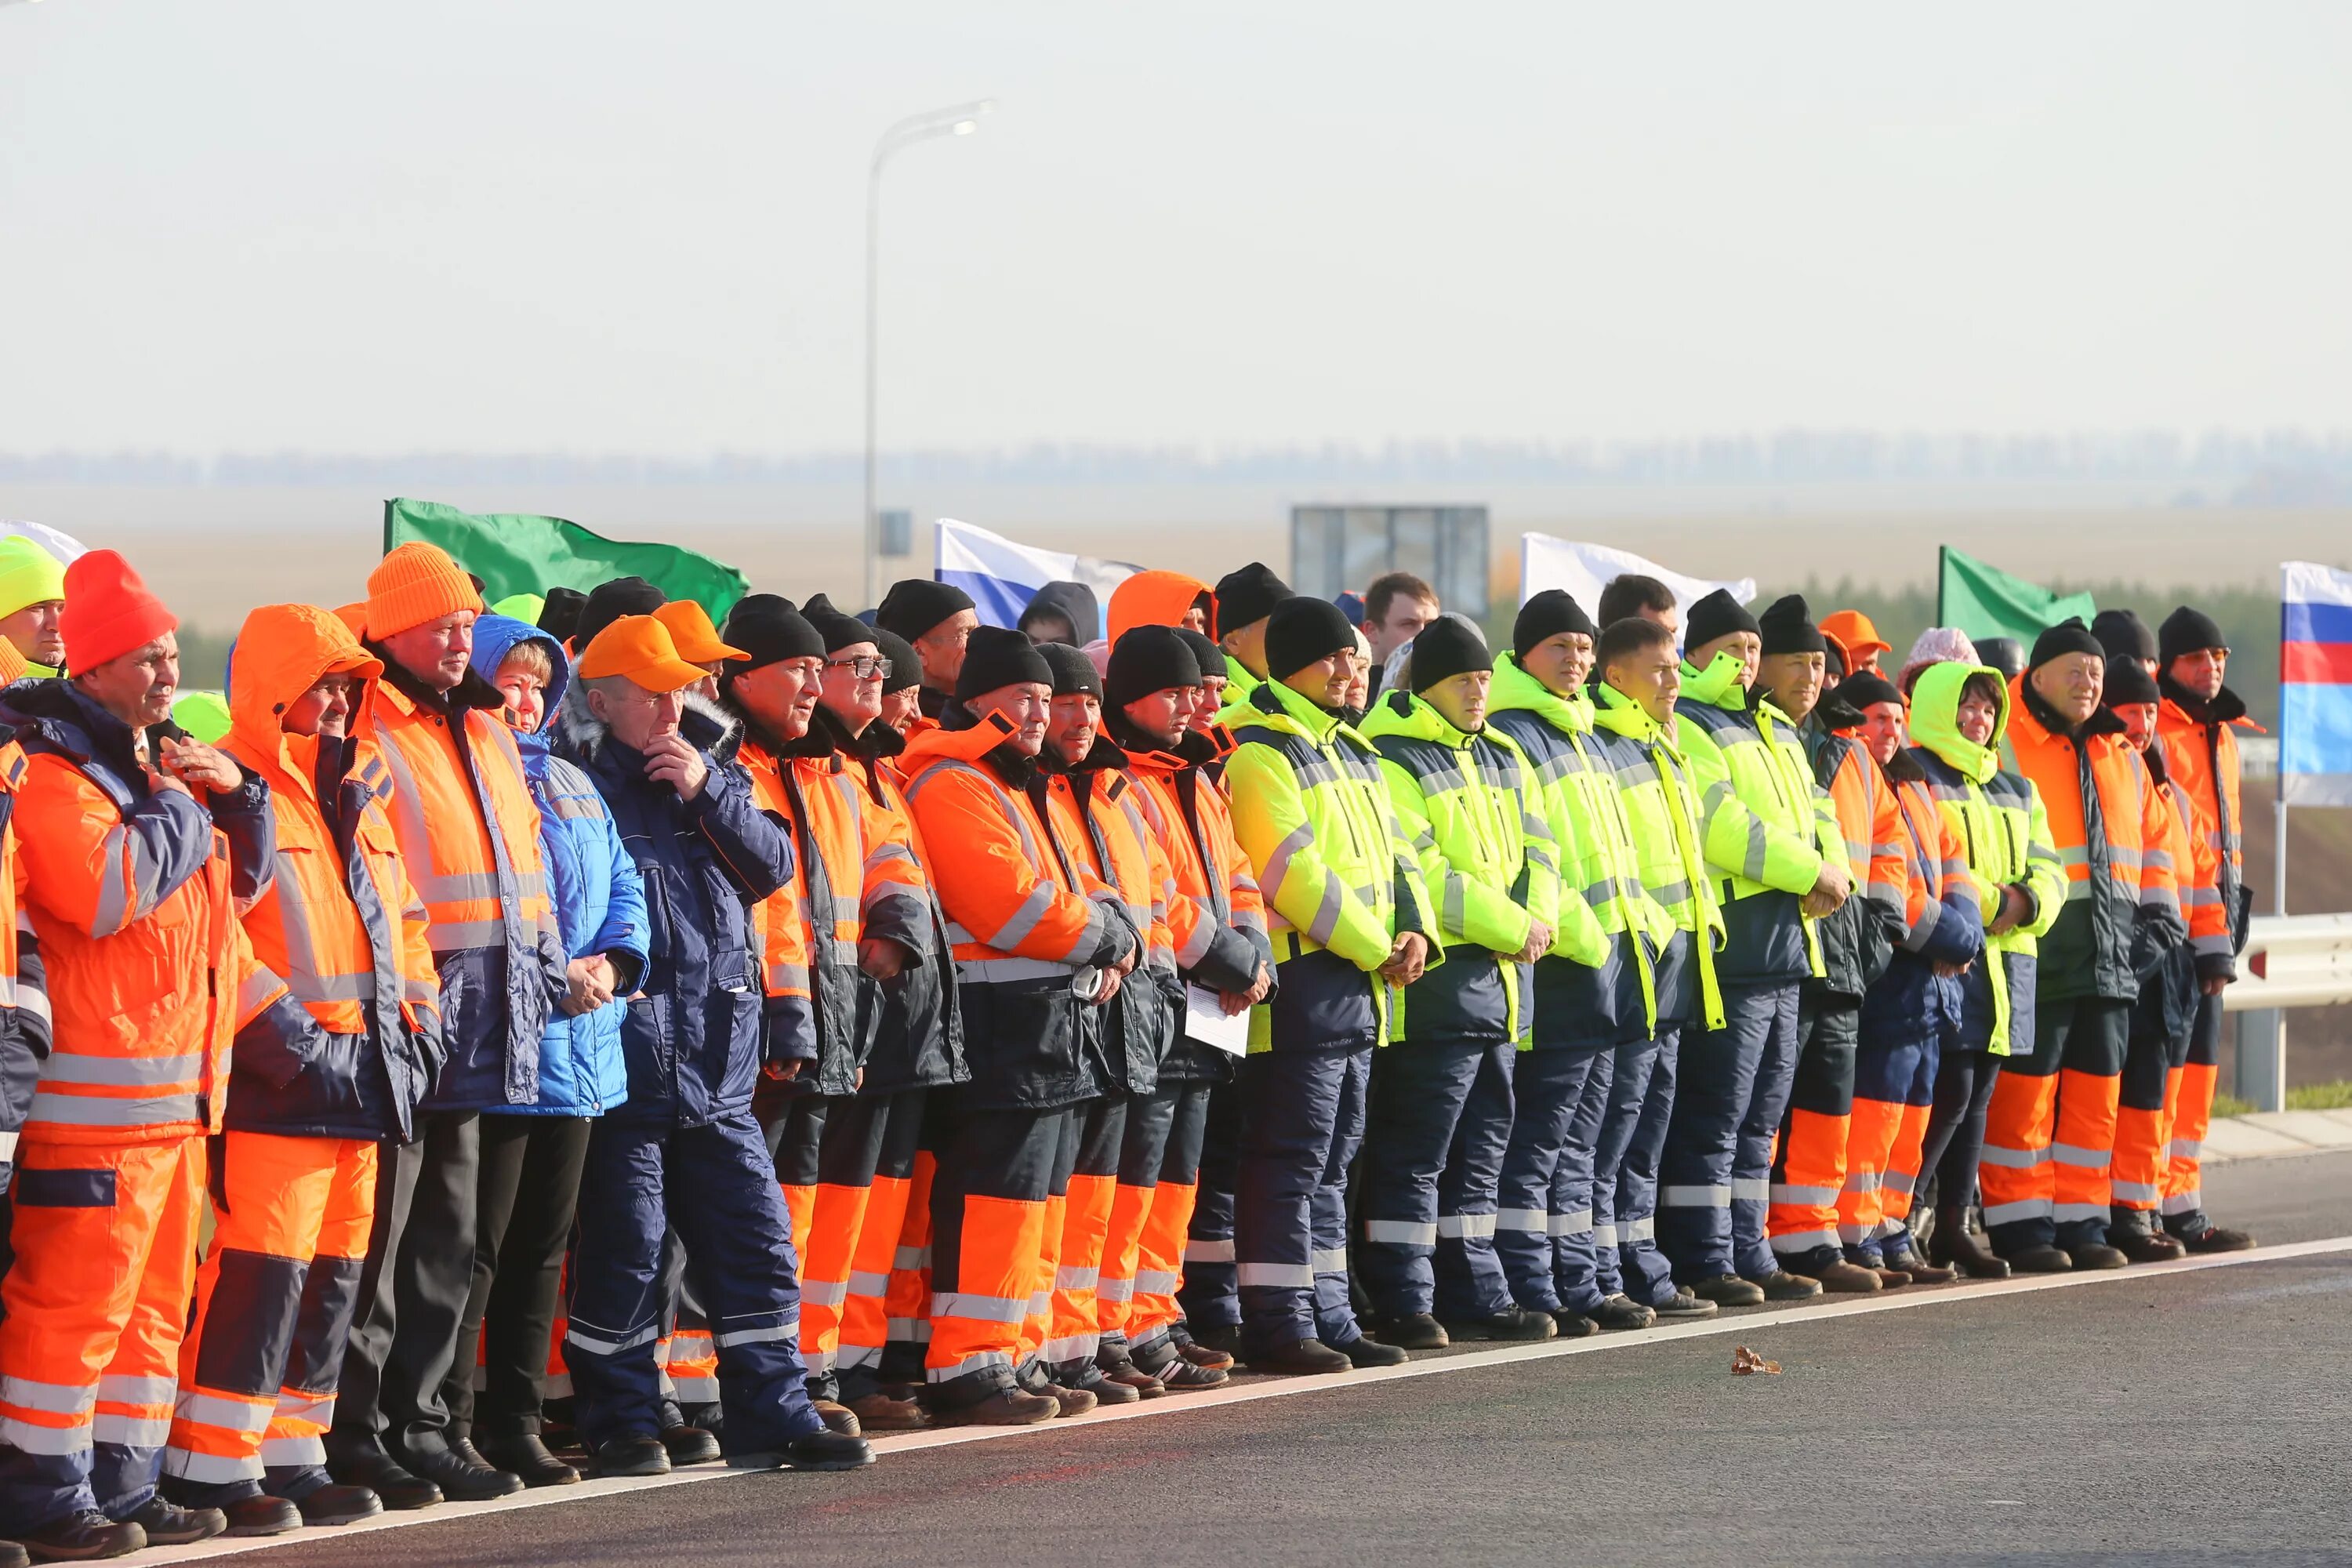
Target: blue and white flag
{"points": [[1002, 577]]}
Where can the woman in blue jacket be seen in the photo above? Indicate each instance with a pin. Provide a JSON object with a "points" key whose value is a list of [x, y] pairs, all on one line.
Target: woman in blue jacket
{"points": [[533, 1155]]}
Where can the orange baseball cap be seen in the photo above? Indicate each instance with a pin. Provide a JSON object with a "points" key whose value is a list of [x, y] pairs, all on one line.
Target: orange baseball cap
{"points": [[690, 630], [638, 649], [1855, 635]]}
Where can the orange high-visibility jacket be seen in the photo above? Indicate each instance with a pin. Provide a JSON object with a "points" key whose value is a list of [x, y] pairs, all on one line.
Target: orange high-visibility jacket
{"points": [[24, 990], [809, 927], [1099, 808], [1029, 924], [2108, 824], [355, 957], [2200, 758], [134, 893], [1217, 919], [1858, 941], [2196, 856]]}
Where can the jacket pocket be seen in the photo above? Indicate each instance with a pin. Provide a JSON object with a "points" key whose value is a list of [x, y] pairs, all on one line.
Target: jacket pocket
{"points": [[1324, 1003], [1022, 1041]]}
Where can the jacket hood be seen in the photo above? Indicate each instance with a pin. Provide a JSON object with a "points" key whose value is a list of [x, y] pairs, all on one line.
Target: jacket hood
{"points": [[1515, 688], [281, 652], [1151, 599], [496, 636], [1935, 718], [707, 727], [1401, 713], [987, 740], [1717, 685], [71, 723]]}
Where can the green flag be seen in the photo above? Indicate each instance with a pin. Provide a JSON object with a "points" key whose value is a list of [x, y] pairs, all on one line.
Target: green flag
{"points": [[1986, 603], [513, 553]]}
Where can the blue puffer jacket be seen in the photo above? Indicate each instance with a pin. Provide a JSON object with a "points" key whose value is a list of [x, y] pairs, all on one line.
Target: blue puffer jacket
{"points": [[600, 900], [692, 1038]]}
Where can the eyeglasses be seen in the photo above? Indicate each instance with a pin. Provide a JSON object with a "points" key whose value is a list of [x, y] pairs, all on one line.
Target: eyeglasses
{"points": [[864, 666]]}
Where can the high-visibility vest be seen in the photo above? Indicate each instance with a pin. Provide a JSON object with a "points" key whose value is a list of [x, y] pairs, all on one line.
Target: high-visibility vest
{"points": [[1214, 887], [2201, 759], [810, 927], [1758, 824], [1662, 818]]}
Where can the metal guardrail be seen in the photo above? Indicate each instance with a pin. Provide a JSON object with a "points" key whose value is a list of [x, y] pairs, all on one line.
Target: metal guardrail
{"points": [[2291, 961]]}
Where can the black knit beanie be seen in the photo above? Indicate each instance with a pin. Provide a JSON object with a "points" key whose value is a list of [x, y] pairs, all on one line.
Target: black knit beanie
{"points": [[1301, 630], [1832, 661], [608, 601], [1787, 626], [1247, 596], [2129, 683], [1207, 655], [2123, 635], [1447, 646], [1867, 689], [767, 627], [839, 631], [1073, 672], [998, 656], [558, 618], [1717, 614], [906, 664], [1149, 659], [2069, 636], [1547, 615], [2187, 631], [916, 604]]}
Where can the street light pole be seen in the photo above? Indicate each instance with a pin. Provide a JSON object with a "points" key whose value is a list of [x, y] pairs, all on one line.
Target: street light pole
{"points": [[961, 119]]}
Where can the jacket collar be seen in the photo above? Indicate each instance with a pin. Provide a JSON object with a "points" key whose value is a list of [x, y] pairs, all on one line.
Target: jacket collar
{"points": [[72, 725], [2102, 721], [876, 741], [1614, 711], [1717, 685], [1401, 713], [1146, 754], [2226, 709], [1514, 688], [987, 742], [708, 728], [473, 692], [1286, 710]]}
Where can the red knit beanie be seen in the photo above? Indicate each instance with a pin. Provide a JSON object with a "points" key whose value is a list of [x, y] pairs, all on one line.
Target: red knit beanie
{"points": [[109, 611]]}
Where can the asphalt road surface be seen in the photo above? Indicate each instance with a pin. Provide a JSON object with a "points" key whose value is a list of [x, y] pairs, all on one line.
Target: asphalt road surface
{"points": [[2177, 1414]]}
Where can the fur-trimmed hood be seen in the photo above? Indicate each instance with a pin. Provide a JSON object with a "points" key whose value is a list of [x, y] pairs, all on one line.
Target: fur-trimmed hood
{"points": [[707, 727]]}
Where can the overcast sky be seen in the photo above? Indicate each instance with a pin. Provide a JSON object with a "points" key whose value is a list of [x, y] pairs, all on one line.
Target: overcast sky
{"points": [[636, 226]]}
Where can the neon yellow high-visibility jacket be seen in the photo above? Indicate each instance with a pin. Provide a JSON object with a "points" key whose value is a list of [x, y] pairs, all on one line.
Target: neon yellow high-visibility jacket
{"points": [[1763, 824], [1998, 816], [1312, 813], [1466, 804], [1240, 687], [1575, 786], [1654, 780]]}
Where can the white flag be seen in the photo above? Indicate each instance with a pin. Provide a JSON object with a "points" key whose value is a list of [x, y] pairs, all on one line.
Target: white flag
{"points": [[63, 546], [1583, 570]]}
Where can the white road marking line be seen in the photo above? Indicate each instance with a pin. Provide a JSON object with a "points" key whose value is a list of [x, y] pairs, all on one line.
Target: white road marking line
{"points": [[1744, 1324]]}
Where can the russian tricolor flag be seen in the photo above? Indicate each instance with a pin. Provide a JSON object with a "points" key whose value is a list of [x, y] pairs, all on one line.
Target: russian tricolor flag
{"points": [[1003, 576], [2315, 685]]}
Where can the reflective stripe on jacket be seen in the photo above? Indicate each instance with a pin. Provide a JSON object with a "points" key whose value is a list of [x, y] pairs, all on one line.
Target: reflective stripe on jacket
{"points": [[811, 925], [1861, 822], [1654, 781], [2202, 758], [24, 987], [1120, 849]]}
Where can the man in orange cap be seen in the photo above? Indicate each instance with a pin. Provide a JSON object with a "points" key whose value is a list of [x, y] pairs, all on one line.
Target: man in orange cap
{"points": [[139, 847], [464, 819], [697, 641], [1857, 638], [684, 1151]]}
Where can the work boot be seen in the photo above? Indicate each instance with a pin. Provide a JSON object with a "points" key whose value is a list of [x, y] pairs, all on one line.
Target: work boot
{"points": [[261, 1514], [1363, 1352], [1415, 1332], [1728, 1290], [1006, 1406], [1954, 1245], [889, 1410], [1686, 1303], [1573, 1325], [1922, 1272], [332, 1504], [527, 1455], [2145, 1246], [2217, 1239], [1296, 1358], [1513, 1322], [1782, 1285], [400, 1489], [633, 1457], [2098, 1254], [1211, 1339], [461, 1479], [826, 1450], [2043, 1258], [83, 1537], [1621, 1313], [1084, 1376], [1126, 1374], [1852, 1279], [167, 1525], [689, 1445], [837, 1417], [1073, 1401]]}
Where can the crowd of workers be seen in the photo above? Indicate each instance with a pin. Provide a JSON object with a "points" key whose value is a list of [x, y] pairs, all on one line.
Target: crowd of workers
{"points": [[583, 1023]]}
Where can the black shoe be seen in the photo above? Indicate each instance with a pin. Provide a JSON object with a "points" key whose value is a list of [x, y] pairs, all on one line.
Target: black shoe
{"points": [[1954, 1244], [1923, 1272], [2098, 1254], [2147, 1246], [689, 1445], [1085, 1378], [1574, 1325], [1298, 1358], [1726, 1290], [1513, 1322], [1686, 1304], [826, 1450], [461, 1479], [1619, 1313], [1181, 1376], [527, 1455], [1418, 1332], [83, 1537], [332, 1504], [167, 1525], [400, 1489], [2042, 1259], [2218, 1238], [1224, 1339], [262, 1515], [1363, 1352], [633, 1457]]}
